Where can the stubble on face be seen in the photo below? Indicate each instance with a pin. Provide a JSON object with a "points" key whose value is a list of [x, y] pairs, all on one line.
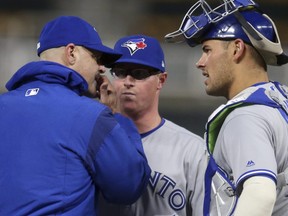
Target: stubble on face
{"points": [[220, 76]]}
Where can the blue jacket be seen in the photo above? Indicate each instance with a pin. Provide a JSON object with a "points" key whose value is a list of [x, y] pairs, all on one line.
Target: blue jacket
{"points": [[59, 150]]}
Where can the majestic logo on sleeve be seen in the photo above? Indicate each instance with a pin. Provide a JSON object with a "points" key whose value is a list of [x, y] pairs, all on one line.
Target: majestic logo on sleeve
{"points": [[250, 163], [134, 45]]}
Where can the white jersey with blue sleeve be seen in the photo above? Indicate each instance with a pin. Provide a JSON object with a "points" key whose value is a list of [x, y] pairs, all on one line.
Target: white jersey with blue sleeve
{"points": [[178, 161], [253, 141]]}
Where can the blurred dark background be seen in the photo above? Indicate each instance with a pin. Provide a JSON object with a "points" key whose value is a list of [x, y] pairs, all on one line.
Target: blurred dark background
{"points": [[183, 99]]}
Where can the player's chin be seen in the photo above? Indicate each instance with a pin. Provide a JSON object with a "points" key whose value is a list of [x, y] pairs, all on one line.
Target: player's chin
{"points": [[209, 91], [126, 103], [127, 98], [214, 92], [131, 110]]}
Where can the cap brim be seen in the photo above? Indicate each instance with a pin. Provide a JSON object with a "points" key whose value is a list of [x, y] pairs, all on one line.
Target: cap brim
{"points": [[135, 61], [109, 56]]}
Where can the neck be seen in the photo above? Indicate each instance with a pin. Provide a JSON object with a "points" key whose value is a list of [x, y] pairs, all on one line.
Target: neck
{"points": [[145, 121], [243, 82]]}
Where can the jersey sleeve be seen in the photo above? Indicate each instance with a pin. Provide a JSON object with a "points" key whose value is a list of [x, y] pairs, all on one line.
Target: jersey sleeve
{"points": [[248, 146], [120, 168]]}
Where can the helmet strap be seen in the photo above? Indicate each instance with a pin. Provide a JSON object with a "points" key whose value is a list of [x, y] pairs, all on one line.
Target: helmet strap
{"points": [[245, 25]]}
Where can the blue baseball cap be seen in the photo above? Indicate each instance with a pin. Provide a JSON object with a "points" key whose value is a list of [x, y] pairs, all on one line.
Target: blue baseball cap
{"points": [[140, 49], [71, 29]]}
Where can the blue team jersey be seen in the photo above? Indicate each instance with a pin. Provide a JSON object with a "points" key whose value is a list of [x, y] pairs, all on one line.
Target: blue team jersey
{"points": [[59, 150]]}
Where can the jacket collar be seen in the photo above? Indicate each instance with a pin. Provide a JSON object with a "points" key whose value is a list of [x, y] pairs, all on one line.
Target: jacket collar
{"points": [[49, 72]]}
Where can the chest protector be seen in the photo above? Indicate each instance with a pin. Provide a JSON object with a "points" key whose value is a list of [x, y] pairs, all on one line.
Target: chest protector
{"points": [[220, 191]]}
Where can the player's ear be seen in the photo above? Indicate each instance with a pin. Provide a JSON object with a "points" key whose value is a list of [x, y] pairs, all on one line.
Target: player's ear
{"points": [[70, 56], [162, 77], [239, 48]]}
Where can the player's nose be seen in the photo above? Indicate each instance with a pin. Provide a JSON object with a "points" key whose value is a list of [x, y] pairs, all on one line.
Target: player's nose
{"points": [[129, 81], [201, 62]]}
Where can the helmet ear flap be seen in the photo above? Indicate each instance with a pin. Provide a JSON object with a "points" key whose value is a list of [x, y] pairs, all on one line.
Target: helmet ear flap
{"points": [[271, 51]]}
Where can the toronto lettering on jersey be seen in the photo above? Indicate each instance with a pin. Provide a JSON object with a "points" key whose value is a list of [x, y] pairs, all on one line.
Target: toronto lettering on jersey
{"points": [[166, 188]]}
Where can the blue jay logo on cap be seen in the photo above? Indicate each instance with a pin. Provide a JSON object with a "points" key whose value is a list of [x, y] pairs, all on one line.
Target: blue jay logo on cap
{"points": [[134, 45]]}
